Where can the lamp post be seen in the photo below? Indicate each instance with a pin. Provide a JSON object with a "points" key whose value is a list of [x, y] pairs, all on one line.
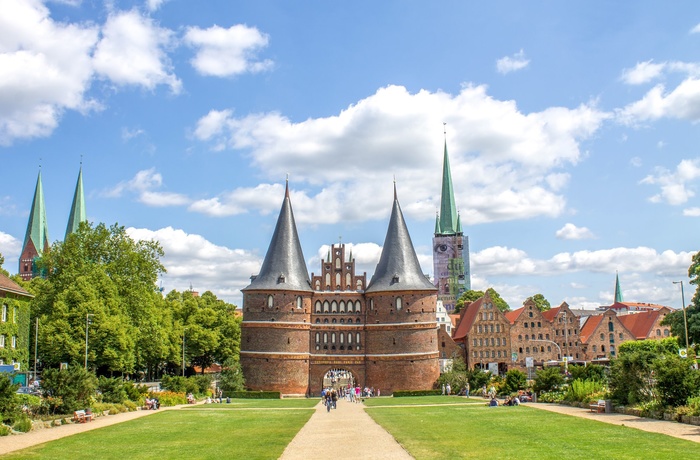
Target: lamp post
{"points": [[87, 324], [685, 318], [566, 361], [36, 344]]}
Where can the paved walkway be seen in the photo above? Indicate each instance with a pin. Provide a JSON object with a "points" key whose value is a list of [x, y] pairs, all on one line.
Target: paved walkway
{"points": [[675, 429], [346, 432]]}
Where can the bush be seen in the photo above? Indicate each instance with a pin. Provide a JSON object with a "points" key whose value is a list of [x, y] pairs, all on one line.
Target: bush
{"points": [[255, 394], [401, 393], [551, 397], [675, 380], [548, 379], [581, 390], [5, 430], [23, 425], [9, 408], [694, 406], [29, 404], [69, 389], [112, 389], [135, 393], [170, 398], [590, 372], [515, 380]]}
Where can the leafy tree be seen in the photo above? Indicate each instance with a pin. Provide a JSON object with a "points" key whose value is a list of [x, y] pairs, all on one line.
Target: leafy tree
{"points": [[113, 390], [548, 379], [231, 378], [67, 390], [540, 301], [2, 262], [592, 372], [515, 380], [676, 320], [472, 295], [676, 380], [631, 378]]}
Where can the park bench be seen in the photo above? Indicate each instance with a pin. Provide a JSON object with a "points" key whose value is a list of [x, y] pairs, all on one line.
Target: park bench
{"points": [[80, 416], [598, 406]]}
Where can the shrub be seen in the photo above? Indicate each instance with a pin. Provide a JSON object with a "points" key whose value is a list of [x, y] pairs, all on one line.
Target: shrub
{"points": [[551, 397], [23, 425], [130, 405], [173, 383], [693, 405], [590, 372], [135, 393], [515, 380], [29, 404], [69, 389], [675, 380], [5, 430], [548, 379], [401, 393], [170, 398], [112, 389], [580, 390], [9, 408]]}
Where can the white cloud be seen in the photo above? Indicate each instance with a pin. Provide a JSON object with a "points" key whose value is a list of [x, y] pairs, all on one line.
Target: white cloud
{"points": [[695, 29], [682, 103], [227, 52], [643, 72], [190, 259], [154, 5], [675, 187], [10, 248], [509, 64], [502, 261], [143, 185], [128, 134], [572, 232], [265, 197], [513, 159], [132, 52], [45, 68], [636, 162], [692, 212]]}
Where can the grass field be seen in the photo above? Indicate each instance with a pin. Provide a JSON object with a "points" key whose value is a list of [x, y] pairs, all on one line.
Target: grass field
{"points": [[201, 432], [477, 431], [421, 401]]}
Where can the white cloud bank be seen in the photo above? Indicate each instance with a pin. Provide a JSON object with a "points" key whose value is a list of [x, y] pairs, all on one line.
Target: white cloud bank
{"points": [[572, 232], [676, 186]]}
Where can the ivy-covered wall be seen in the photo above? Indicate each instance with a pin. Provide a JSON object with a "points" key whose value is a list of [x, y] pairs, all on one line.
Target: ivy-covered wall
{"points": [[17, 325]]}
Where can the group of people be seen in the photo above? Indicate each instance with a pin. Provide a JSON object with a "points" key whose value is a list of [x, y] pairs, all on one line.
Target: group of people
{"points": [[514, 401], [152, 404]]}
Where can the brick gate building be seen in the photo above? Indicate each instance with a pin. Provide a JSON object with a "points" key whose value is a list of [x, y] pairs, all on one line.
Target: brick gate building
{"points": [[295, 328]]}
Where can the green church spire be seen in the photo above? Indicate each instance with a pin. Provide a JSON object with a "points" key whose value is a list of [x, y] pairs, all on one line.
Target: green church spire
{"points": [[37, 228], [618, 291], [77, 209], [459, 223], [448, 210], [437, 223]]}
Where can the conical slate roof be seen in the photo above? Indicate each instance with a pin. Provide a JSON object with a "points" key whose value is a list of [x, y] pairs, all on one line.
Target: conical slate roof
{"points": [[77, 209], [448, 209], [37, 228], [398, 268], [284, 267]]}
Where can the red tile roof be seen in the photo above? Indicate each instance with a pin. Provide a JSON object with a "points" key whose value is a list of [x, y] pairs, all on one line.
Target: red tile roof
{"points": [[467, 319], [512, 316], [550, 314], [640, 324], [9, 286], [591, 324]]}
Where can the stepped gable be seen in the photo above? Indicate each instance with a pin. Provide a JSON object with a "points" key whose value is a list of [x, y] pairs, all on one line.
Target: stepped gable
{"points": [[284, 267], [398, 268], [512, 316], [78, 213]]}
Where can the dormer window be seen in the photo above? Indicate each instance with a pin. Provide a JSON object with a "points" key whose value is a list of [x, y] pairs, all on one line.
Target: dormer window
{"points": [[395, 278], [280, 279]]}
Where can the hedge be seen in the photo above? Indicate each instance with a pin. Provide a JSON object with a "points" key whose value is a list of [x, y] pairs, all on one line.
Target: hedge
{"points": [[254, 394], [400, 393]]}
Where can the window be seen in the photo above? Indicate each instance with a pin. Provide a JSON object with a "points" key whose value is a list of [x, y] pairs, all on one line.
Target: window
{"points": [[622, 336], [318, 337], [328, 279], [358, 307], [337, 280], [341, 306], [348, 279], [602, 348], [270, 301], [299, 302], [493, 354], [334, 307], [333, 337], [474, 342], [357, 338], [326, 307], [4, 313], [14, 315], [525, 323], [491, 329], [2, 341], [349, 337], [317, 306], [539, 323], [611, 327], [595, 348], [532, 324], [520, 337], [14, 341], [481, 342], [399, 303], [527, 349], [325, 337], [529, 314], [666, 332], [602, 336], [498, 328], [491, 315], [658, 332]]}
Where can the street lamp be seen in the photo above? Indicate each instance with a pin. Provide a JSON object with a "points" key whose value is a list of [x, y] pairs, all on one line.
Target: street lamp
{"points": [[87, 323], [36, 344], [685, 318], [566, 361]]}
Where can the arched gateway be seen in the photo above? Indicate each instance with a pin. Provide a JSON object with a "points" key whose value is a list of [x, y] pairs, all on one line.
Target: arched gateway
{"points": [[295, 328]]}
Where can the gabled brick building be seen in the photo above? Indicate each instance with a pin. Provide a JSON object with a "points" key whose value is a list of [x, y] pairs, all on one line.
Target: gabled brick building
{"points": [[602, 334], [484, 333], [566, 330], [531, 335], [296, 329], [646, 325]]}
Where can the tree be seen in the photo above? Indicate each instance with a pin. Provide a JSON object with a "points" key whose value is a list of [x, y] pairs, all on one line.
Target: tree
{"points": [[676, 319], [541, 303], [69, 389], [2, 262], [675, 380], [231, 378], [548, 379], [472, 295], [515, 380]]}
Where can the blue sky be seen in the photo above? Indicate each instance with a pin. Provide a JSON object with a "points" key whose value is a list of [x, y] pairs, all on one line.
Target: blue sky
{"points": [[571, 128]]}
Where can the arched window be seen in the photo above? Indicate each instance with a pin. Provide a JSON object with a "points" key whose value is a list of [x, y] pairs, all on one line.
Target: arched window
{"points": [[342, 320], [334, 307], [318, 337], [520, 350], [326, 307], [337, 263], [334, 321], [520, 337], [317, 306], [337, 279], [602, 348], [358, 306], [270, 301], [357, 338], [328, 279], [342, 337], [371, 304], [318, 285], [539, 323], [348, 279], [359, 285], [491, 315], [299, 302], [666, 332], [325, 320], [532, 324], [658, 332], [610, 326], [318, 320], [341, 306], [325, 337], [349, 338], [333, 337], [399, 303]]}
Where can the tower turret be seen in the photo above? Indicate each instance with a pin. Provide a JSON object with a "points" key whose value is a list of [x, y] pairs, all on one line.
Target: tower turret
{"points": [[36, 240], [77, 209]]}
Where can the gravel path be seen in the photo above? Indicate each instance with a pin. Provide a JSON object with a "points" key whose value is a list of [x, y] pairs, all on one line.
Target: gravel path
{"points": [[21, 441], [346, 432], [675, 429]]}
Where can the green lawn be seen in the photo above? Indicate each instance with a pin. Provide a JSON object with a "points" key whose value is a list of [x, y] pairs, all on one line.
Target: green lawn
{"points": [[477, 431], [193, 433], [290, 403], [421, 400]]}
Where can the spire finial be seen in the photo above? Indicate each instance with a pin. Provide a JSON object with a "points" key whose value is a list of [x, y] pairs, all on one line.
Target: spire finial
{"points": [[395, 196], [81, 160], [444, 129], [286, 187]]}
